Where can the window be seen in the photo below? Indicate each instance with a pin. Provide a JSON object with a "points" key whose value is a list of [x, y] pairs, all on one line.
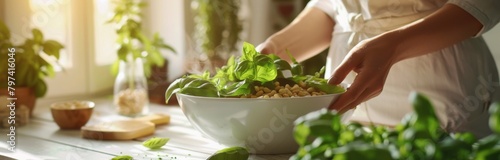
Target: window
{"points": [[66, 21], [89, 42]]}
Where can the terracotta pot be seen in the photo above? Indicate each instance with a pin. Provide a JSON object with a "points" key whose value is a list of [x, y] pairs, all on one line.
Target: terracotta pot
{"points": [[25, 96]]}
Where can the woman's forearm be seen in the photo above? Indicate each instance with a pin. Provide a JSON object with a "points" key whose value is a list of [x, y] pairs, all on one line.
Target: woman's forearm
{"points": [[445, 27], [307, 35]]}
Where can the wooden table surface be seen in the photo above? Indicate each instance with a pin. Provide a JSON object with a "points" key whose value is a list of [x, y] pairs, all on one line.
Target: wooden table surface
{"points": [[41, 138]]}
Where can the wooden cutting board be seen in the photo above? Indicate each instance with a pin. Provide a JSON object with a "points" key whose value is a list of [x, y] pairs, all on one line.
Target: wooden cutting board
{"points": [[125, 129]]}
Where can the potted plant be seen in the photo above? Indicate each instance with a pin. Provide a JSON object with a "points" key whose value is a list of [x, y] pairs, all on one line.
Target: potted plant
{"points": [[137, 56], [34, 60]]}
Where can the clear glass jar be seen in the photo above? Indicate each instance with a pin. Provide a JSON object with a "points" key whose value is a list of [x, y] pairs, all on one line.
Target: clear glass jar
{"points": [[131, 89]]}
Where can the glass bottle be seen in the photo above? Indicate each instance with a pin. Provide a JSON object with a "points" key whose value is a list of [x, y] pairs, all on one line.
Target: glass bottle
{"points": [[131, 89]]}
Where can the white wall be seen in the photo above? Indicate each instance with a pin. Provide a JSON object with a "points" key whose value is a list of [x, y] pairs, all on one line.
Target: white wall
{"points": [[167, 18]]}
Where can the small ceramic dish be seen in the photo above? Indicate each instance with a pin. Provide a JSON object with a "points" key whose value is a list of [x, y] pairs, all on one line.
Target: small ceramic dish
{"points": [[72, 114]]}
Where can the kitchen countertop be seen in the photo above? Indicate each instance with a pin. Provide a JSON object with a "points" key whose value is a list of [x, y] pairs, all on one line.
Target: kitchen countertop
{"points": [[41, 138]]}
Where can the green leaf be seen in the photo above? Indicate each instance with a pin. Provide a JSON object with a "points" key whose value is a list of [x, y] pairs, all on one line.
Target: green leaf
{"points": [[22, 72], [325, 87], [245, 70], [114, 67], [265, 69], [123, 52], [122, 157], [116, 18], [494, 120], [361, 151], [301, 133], [40, 88], [4, 31], [237, 89], [156, 59], [200, 88], [248, 51], [426, 118], [51, 47], [297, 68], [37, 36], [192, 86], [158, 42], [174, 87], [231, 153], [155, 142], [282, 64], [32, 78]]}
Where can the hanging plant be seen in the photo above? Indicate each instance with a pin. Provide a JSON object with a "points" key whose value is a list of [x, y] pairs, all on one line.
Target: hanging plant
{"points": [[217, 28]]}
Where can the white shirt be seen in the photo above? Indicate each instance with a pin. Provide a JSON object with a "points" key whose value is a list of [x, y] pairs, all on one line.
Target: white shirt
{"points": [[460, 80]]}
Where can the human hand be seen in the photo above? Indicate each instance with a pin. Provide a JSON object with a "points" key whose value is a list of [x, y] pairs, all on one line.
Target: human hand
{"points": [[266, 47], [371, 59]]}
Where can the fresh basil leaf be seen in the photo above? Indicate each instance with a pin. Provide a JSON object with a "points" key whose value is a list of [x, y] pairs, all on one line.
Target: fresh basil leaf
{"points": [[237, 88], [249, 52], [323, 85], [122, 157], [265, 69], [231, 153], [199, 87], [155, 142], [282, 64], [191, 86], [245, 70], [174, 87], [297, 68]]}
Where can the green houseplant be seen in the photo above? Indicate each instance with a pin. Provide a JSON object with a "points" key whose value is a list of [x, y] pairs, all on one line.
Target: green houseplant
{"points": [[137, 56], [217, 30], [34, 60]]}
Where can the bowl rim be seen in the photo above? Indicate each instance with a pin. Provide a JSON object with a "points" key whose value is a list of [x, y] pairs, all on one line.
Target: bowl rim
{"points": [[90, 105], [344, 85], [267, 99]]}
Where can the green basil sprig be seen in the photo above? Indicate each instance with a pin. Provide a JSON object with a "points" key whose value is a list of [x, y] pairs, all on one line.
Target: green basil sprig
{"points": [[321, 135]]}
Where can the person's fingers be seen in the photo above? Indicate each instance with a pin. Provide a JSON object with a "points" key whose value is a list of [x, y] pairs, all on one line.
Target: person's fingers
{"points": [[369, 93], [267, 47], [343, 70], [358, 87], [349, 96]]}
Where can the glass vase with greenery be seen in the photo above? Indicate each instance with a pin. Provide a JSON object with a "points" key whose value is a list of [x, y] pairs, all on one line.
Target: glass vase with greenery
{"points": [[137, 54]]}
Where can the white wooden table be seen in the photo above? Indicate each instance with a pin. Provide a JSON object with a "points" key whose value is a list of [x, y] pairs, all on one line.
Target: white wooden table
{"points": [[42, 138]]}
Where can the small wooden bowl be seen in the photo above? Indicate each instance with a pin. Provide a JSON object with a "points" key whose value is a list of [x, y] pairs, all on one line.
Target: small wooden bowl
{"points": [[72, 114]]}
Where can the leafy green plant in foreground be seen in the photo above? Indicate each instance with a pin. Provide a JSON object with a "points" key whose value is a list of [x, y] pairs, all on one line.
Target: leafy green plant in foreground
{"points": [[240, 75], [321, 135]]}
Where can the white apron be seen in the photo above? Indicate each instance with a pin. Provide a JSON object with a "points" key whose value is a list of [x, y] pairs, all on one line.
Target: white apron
{"points": [[459, 80]]}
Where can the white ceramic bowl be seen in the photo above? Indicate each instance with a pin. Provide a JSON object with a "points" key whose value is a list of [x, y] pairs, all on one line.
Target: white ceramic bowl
{"points": [[263, 126]]}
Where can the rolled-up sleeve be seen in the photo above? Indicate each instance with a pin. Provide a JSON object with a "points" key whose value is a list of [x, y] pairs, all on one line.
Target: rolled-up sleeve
{"points": [[324, 5], [485, 11]]}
